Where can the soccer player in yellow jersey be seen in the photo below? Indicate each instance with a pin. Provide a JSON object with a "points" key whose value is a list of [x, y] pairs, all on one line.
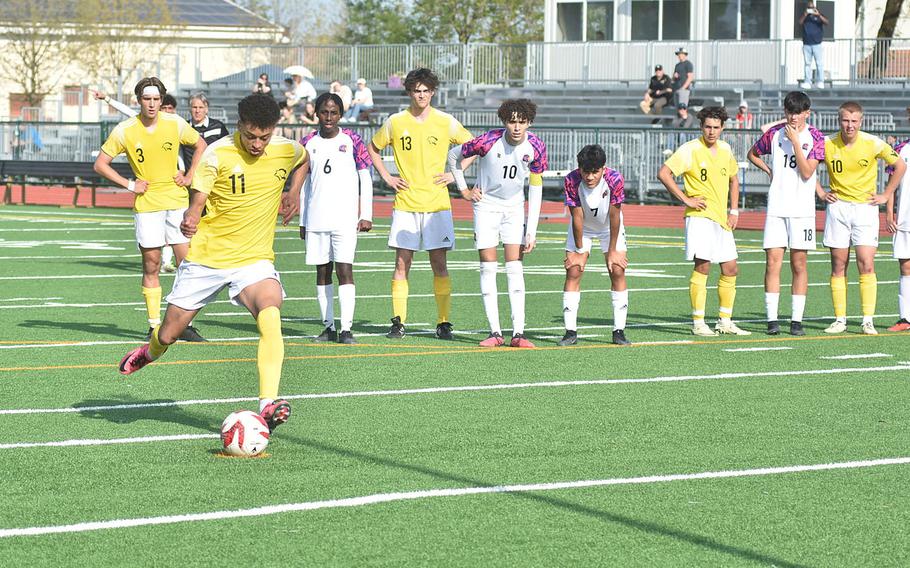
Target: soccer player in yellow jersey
{"points": [[151, 142], [240, 182], [422, 216], [852, 216], [709, 173]]}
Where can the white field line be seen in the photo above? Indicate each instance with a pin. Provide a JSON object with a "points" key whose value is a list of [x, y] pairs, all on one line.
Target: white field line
{"points": [[750, 349], [858, 356], [377, 498], [463, 388], [109, 442]]}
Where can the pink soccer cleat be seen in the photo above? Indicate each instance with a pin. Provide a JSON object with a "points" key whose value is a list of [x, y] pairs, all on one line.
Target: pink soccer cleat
{"points": [[901, 325], [519, 340], [494, 340], [276, 413], [135, 360]]}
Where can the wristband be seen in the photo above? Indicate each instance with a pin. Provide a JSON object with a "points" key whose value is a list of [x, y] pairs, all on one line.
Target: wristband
{"points": [[579, 250], [734, 211], [131, 186]]}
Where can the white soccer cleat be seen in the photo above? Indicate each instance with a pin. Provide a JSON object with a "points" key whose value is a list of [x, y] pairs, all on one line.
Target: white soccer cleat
{"points": [[701, 329], [730, 328], [837, 326], [869, 328], [820, 85]]}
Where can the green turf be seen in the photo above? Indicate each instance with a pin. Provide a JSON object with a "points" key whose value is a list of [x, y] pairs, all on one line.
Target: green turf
{"points": [[344, 447]]}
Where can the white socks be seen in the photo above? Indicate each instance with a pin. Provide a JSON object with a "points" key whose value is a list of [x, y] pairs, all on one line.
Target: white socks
{"points": [[167, 255], [903, 297], [516, 280], [772, 301], [799, 306], [620, 308], [346, 298], [570, 301], [325, 296], [489, 294]]}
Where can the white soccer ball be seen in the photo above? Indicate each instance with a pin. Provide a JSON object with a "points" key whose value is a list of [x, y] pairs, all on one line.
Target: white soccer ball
{"points": [[244, 433]]}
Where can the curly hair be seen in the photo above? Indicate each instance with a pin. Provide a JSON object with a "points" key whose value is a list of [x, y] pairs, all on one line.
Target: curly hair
{"points": [[149, 82], [591, 158], [423, 76], [167, 100], [259, 110], [522, 109], [327, 97], [718, 112]]}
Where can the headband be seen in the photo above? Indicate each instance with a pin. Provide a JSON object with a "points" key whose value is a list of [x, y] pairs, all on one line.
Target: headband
{"points": [[151, 90]]}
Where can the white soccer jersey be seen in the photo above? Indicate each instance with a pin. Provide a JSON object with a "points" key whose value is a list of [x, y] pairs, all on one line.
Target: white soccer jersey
{"points": [[339, 178], [595, 202], [790, 195], [504, 168], [902, 207]]}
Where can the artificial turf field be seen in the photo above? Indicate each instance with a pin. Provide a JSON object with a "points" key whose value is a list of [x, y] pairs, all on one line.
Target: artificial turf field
{"points": [[675, 451]]}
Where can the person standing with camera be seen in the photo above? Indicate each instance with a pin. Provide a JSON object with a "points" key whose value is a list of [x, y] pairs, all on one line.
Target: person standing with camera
{"points": [[813, 23]]}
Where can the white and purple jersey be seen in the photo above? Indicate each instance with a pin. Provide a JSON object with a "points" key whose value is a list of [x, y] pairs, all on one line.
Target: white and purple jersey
{"points": [[902, 207], [790, 195], [329, 201], [595, 201], [505, 168]]}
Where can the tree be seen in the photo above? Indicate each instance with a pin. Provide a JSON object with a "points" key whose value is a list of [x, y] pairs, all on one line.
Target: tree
{"points": [[378, 22], [496, 21], [881, 51]]}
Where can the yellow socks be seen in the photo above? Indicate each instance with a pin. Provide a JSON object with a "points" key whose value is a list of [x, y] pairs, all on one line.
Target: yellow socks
{"points": [[726, 294], [868, 289], [698, 294], [839, 295], [271, 352], [152, 304], [156, 349], [442, 289], [400, 299]]}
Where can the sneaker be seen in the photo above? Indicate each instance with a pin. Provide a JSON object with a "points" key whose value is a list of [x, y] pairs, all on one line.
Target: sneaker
{"points": [[493, 340], [276, 413], [701, 329], [869, 328], [837, 326], [169, 268], [730, 328], [519, 340], [444, 331], [570, 338], [820, 85], [619, 337], [397, 329], [328, 334], [135, 360], [148, 336], [192, 334], [805, 85], [901, 325], [346, 337], [773, 328], [796, 328]]}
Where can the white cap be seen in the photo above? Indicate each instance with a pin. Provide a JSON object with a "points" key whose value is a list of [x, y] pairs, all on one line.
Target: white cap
{"points": [[744, 104], [361, 81]]}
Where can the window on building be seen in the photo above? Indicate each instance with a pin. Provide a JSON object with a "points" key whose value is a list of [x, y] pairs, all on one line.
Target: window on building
{"points": [[75, 95], [826, 8], [676, 19], [600, 21], [756, 19], [660, 19], [739, 19], [569, 21], [645, 19], [723, 19]]}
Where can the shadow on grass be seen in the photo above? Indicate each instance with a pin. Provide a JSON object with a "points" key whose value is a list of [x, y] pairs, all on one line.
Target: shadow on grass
{"points": [[102, 329], [163, 411]]}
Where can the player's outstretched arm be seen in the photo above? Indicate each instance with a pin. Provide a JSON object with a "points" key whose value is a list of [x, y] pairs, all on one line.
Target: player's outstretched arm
{"points": [[103, 167], [733, 216], [396, 183], [666, 177]]}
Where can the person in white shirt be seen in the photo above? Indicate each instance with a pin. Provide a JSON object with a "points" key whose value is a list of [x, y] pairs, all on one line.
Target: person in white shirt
{"points": [[303, 90], [363, 101], [339, 182], [342, 91]]}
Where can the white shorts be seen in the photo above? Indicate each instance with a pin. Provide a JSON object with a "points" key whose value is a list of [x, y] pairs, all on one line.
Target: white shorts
{"points": [[707, 240], [422, 231], [848, 223], [158, 228], [323, 247], [491, 227], [901, 245], [795, 233], [197, 285], [588, 236]]}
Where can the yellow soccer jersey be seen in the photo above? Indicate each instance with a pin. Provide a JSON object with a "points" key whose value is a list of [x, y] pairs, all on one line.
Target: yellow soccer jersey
{"points": [[420, 150], [153, 158], [244, 194], [706, 175], [853, 169]]}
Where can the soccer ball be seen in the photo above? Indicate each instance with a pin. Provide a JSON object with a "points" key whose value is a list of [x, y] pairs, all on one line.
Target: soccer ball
{"points": [[244, 433]]}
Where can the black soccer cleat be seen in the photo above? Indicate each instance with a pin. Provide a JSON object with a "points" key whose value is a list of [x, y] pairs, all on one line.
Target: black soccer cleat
{"points": [[773, 328], [619, 337], [570, 338], [346, 337], [191, 334], [397, 329], [796, 328], [444, 331], [328, 334]]}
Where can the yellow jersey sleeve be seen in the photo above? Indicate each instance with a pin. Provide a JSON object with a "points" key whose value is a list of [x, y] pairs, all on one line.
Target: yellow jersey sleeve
{"points": [[207, 172], [114, 145], [383, 136], [734, 165], [886, 152], [680, 161], [187, 134], [458, 134]]}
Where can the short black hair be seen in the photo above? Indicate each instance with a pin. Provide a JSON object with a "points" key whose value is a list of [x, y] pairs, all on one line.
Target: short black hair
{"points": [[421, 75], [326, 97], [149, 82], [796, 102], [524, 109], [169, 100], [591, 158], [718, 112], [259, 110]]}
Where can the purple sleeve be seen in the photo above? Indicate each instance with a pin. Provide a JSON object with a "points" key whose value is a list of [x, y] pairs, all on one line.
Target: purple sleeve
{"points": [[617, 186], [897, 149], [481, 145], [361, 158], [571, 186], [308, 137], [763, 146], [540, 163], [818, 145]]}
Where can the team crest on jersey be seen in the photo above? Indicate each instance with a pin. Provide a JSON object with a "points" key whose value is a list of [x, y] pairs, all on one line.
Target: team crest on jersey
{"points": [[723, 171], [526, 158], [864, 162], [167, 146], [281, 174], [433, 140], [805, 146], [343, 148]]}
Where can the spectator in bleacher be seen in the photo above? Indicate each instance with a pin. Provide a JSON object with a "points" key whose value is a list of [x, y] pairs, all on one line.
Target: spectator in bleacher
{"points": [[813, 23], [309, 117], [343, 92], [211, 129], [303, 89], [658, 94], [683, 82], [287, 121], [363, 101], [743, 118], [262, 85]]}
